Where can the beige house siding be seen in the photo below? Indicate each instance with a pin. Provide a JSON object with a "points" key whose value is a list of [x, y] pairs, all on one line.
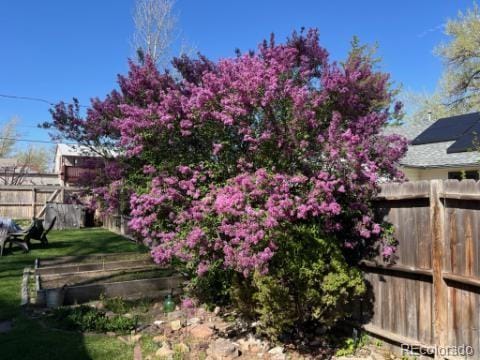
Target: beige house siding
{"points": [[415, 174], [41, 179]]}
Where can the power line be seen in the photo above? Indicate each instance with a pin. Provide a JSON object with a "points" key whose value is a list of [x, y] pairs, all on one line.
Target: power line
{"points": [[28, 126], [37, 99], [34, 141]]}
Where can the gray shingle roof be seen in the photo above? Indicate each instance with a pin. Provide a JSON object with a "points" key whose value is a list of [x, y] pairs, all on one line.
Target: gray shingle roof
{"points": [[430, 155]]}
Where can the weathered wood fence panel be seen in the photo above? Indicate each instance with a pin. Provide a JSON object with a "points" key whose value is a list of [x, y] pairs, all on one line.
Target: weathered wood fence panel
{"points": [[431, 295], [67, 216], [461, 266], [118, 224], [402, 294], [27, 201]]}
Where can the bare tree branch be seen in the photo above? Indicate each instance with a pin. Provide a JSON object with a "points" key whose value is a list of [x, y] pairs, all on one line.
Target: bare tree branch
{"points": [[155, 24]]}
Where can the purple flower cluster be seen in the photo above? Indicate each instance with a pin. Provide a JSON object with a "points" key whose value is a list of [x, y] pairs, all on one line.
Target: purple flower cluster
{"points": [[224, 159]]}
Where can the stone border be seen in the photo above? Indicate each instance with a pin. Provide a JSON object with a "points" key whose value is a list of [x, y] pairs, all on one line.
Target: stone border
{"points": [[24, 297]]}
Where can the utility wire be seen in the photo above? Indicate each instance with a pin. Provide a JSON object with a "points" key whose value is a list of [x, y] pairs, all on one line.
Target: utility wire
{"points": [[34, 141], [30, 98], [28, 126]]}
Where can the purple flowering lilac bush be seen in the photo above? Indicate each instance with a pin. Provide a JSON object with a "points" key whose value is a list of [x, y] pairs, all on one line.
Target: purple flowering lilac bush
{"points": [[257, 170]]}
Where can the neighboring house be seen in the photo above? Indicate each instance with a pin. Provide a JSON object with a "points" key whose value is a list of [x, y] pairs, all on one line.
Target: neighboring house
{"points": [[74, 161], [41, 179], [444, 149], [12, 172]]}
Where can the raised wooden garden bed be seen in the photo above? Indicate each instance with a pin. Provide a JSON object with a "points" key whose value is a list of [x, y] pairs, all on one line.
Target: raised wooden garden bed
{"points": [[79, 279]]}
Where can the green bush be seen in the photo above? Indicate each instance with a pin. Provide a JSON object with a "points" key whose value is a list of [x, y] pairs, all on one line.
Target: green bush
{"points": [[309, 281], [119, 305], [115, 304], [214, 287], [348, 346], [85, 318]]}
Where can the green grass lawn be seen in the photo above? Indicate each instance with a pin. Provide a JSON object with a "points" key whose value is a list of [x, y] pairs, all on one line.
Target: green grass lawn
{"points": [[28, 338]]}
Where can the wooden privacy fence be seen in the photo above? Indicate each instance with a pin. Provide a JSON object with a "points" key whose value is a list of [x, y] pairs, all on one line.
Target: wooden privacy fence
{"points": [[431, 295], [118, 224], [26, 201]]}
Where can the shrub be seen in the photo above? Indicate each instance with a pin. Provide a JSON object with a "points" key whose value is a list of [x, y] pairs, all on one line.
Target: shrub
{"points": [[119, 305], [348, 346], [309, 282], [213, 288], [85, 318], [263, 165], [115, 304]]}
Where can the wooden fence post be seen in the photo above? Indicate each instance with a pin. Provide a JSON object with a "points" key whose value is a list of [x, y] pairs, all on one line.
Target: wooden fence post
{"points": [[33, 201], [440, 290]]}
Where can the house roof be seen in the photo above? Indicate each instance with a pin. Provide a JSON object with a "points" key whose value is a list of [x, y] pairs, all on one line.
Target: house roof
{"points": [[431, 155], [80, 151], [13, 165], [8, 162]]}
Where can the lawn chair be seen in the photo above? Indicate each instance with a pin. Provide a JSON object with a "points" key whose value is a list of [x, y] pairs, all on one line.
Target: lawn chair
{"points": [[43, 237], [35, 231], [3, 238]]}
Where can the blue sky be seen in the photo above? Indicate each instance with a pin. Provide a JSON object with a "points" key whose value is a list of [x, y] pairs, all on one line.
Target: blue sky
{"points": [[58, 49]]}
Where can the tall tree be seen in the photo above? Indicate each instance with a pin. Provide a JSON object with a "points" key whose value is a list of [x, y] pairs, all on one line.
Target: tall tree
{"points": [[16, 163], [426, 107], [155, 24], [8, 135], [458, 91], [461, 56]]}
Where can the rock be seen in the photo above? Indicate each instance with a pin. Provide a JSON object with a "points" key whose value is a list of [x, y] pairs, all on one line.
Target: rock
{"points": [[201, 332], [159, 339], [253, 345], [158, 323], [174, 315], [276, 353], [181, 348], [109, 314], [136, 338], [165, 352], [175, 325], [97, 305], [128, 316], [137, 352], [276, 350], [157, 305], [219, 325], [142, 327], [111, 333], [376, 356], [193, 321], [216, 311], [223, 348], [203, 314]]}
